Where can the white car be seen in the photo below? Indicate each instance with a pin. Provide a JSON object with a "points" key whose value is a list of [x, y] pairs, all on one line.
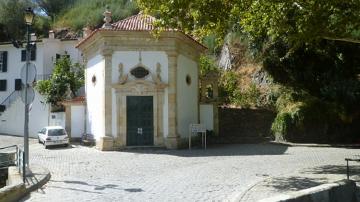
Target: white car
{"points": [[53, 135]]}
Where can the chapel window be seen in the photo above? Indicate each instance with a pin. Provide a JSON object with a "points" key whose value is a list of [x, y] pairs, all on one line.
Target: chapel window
{"points": [[139, 72]]}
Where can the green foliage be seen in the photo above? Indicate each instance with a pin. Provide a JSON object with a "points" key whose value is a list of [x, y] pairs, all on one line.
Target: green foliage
{"points": [[207, 64], [12, 21], [305, 118], [73, 14], [90, 13], [327, 71], [197, 17], [211, 44], [66, 76], [228, 86], [54, 7], [298, 21], [280, 126], [246, 98]]}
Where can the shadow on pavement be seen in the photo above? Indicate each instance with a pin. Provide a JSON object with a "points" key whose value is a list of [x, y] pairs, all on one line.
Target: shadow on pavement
{"points": [[60, 147], [334, 169], [95, 187], [285, 184], [295, 183], [218, 150]]}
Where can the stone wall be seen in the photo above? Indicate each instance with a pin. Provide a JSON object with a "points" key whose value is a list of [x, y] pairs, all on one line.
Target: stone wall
{"points": [[341, 191], [244, 125]]}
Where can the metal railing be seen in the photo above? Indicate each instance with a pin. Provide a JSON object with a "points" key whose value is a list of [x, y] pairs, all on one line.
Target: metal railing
{"points": [[10, 99], [9, 157]]}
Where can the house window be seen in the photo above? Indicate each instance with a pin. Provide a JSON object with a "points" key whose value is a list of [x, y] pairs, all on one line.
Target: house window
{"points": [[3, 61], [58, 56], [17, 84], [2, 85], [32, 55]]}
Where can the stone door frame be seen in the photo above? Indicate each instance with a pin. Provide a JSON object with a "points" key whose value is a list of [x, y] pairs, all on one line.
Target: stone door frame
{"points": [[139, 88], [128, 112]]}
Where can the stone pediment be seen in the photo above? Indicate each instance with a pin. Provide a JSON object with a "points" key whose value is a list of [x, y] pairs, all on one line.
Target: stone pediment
{"points": [[139, 87]]}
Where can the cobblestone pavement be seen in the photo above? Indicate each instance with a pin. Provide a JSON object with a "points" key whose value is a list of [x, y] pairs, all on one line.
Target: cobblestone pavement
{"points": [[7, 140], [220, 173]]}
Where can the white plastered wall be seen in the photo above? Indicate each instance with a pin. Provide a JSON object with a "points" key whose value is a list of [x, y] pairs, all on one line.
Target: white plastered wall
{"points": [[51, 48], [57, 119], [46, 51], [12, 120], [187, 95], [77, 121], [94, 96], [207, 116], [129, 60], [14, 65]]}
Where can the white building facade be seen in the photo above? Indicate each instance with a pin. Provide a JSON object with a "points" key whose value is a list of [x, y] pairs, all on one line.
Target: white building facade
{"points": [[140, 90], [11, 61]]}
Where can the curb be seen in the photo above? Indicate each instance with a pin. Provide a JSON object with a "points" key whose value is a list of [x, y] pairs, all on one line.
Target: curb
{"points": [[343, 190], [44, 178], [17, 189], [290, 144]]}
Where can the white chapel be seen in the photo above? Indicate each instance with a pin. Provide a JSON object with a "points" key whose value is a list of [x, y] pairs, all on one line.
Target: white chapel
{"points": [[140, 90]]}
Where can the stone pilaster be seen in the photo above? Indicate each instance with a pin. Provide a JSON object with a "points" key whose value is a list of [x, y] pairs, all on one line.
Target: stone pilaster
{"points": [[172, 139], [160, 106], [106, 142]]}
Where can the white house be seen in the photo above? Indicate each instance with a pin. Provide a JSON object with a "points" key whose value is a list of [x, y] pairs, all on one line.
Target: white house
{"points": [[11, 62], [140, 90]]}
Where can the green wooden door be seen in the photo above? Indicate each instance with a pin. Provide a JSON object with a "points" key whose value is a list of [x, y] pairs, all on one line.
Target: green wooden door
{"points": [[140, 121]]}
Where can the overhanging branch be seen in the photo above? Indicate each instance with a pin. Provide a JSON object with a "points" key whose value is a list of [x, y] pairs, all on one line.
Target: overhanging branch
{"points": [[349, 40]]}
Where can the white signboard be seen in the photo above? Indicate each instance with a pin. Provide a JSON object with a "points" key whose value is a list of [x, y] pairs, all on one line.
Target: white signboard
{"points": [[197, 128]]}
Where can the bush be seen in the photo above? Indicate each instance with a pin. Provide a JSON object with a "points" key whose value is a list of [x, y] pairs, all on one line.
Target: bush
{"points": [[207, 63], [305, 118], [246, 98], [228, 86]]}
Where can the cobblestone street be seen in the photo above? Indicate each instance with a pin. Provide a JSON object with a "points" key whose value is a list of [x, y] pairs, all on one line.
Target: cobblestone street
{"points": [[220, 173]]}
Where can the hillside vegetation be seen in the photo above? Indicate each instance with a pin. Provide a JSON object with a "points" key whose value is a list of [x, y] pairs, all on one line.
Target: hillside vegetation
{"points": [[71, 15], [90, 13]]}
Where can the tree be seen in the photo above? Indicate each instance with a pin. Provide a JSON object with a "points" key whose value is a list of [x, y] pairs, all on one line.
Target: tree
{"points": [[12, 24], [90, 13], [300, 21], [11, 20], [66, 76], [54, 7]]}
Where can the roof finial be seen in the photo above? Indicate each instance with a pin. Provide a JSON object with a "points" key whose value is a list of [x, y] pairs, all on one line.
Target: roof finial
{"points": [[107, 19]]}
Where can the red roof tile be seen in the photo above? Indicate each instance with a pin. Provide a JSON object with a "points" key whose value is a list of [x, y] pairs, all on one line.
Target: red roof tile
{"points": [[139, 22], [79, 99]]}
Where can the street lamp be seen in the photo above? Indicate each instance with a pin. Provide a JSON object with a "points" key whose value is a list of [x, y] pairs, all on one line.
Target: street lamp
{"points": [[29, 19], [29, 16]]}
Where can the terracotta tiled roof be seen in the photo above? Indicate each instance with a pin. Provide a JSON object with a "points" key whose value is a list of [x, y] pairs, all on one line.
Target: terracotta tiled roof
{"points": [[79, 99], [139, 22]]}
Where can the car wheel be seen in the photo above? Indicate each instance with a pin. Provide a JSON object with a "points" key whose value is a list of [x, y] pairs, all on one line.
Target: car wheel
{"points": [[66, 145], [39, 140], [46, 146]]}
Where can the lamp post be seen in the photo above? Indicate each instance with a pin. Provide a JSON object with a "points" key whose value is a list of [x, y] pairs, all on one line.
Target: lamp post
{"points": [[29, 19]]}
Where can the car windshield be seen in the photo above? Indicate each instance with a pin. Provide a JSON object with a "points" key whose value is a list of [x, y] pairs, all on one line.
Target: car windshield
{"points": [[56, 132]]}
